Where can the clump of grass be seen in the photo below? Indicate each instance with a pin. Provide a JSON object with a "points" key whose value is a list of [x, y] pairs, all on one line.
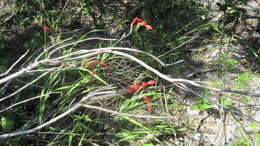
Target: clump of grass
{"points": [[243, 80], [225, 62], [74, 80], [201, 105]]}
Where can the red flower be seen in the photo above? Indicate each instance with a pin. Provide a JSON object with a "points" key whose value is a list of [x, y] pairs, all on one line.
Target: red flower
{"points": [[44, 27], [147, 100], [151, 82], [136, 87], [91, 64], [102, 63], [137, 19], [145, 84], [133, 88], [148, 27], [149, 108], [142, 23]]}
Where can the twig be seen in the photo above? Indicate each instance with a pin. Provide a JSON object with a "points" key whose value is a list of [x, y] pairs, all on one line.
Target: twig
{"points": [[196, 35], [24, 101], [25, 132], [47, 49], [80, 41], [174, 63], [125, 114], [73, 109], [19, 73], [147, 138], [108, 49], [124, 35], [7, 19], [17, 61], [25, 86], [173, 80]]}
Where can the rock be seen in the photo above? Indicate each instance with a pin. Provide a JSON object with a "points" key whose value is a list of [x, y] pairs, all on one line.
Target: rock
{"points": [[7, 10]]}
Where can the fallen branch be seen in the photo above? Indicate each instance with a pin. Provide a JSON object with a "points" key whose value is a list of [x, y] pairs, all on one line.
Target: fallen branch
{"points": [[93, 96]]}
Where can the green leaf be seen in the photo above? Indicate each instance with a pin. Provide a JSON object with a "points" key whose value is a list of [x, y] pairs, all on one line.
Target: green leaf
{"points": [[130, 104], [81, 140], [135, 122], [231, 10], [258, 137], [6, 124], [201, 105], [255, 126], [95, 76], [226, 101]]}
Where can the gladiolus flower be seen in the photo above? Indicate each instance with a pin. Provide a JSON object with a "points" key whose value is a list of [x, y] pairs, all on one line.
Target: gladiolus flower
{"points": [[133, 88], [151, 82], [136, 87], [102, 63], [142, 23], [149, 108], [145, 84], [148, 27], [44, 27], [147, 100], [137, 19], [93, 63]]}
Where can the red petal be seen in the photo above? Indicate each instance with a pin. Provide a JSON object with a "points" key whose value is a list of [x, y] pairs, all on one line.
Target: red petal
{"points": [[137, 19], [144, 23], [147, 100], [152, 82], [148, 27], [136, 86], [133, 88], [102, 63], [144, 84], [46, 28], [149, 108]]}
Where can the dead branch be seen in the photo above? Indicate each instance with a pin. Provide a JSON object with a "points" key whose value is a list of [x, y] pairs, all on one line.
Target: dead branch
{"points": [[93, 96], [51, 63]]}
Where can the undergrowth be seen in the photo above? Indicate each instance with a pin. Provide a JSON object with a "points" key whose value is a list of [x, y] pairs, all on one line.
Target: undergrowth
{"points": [[43, 26]]}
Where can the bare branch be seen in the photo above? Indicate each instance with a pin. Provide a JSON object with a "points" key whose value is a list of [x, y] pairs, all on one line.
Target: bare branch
{"points": [[25, 86], [90, 53], [25, 132], [80, 41], [24, 101], [17, 61], [19, 73], [134, 50], [76, 107], [125, 114]]}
